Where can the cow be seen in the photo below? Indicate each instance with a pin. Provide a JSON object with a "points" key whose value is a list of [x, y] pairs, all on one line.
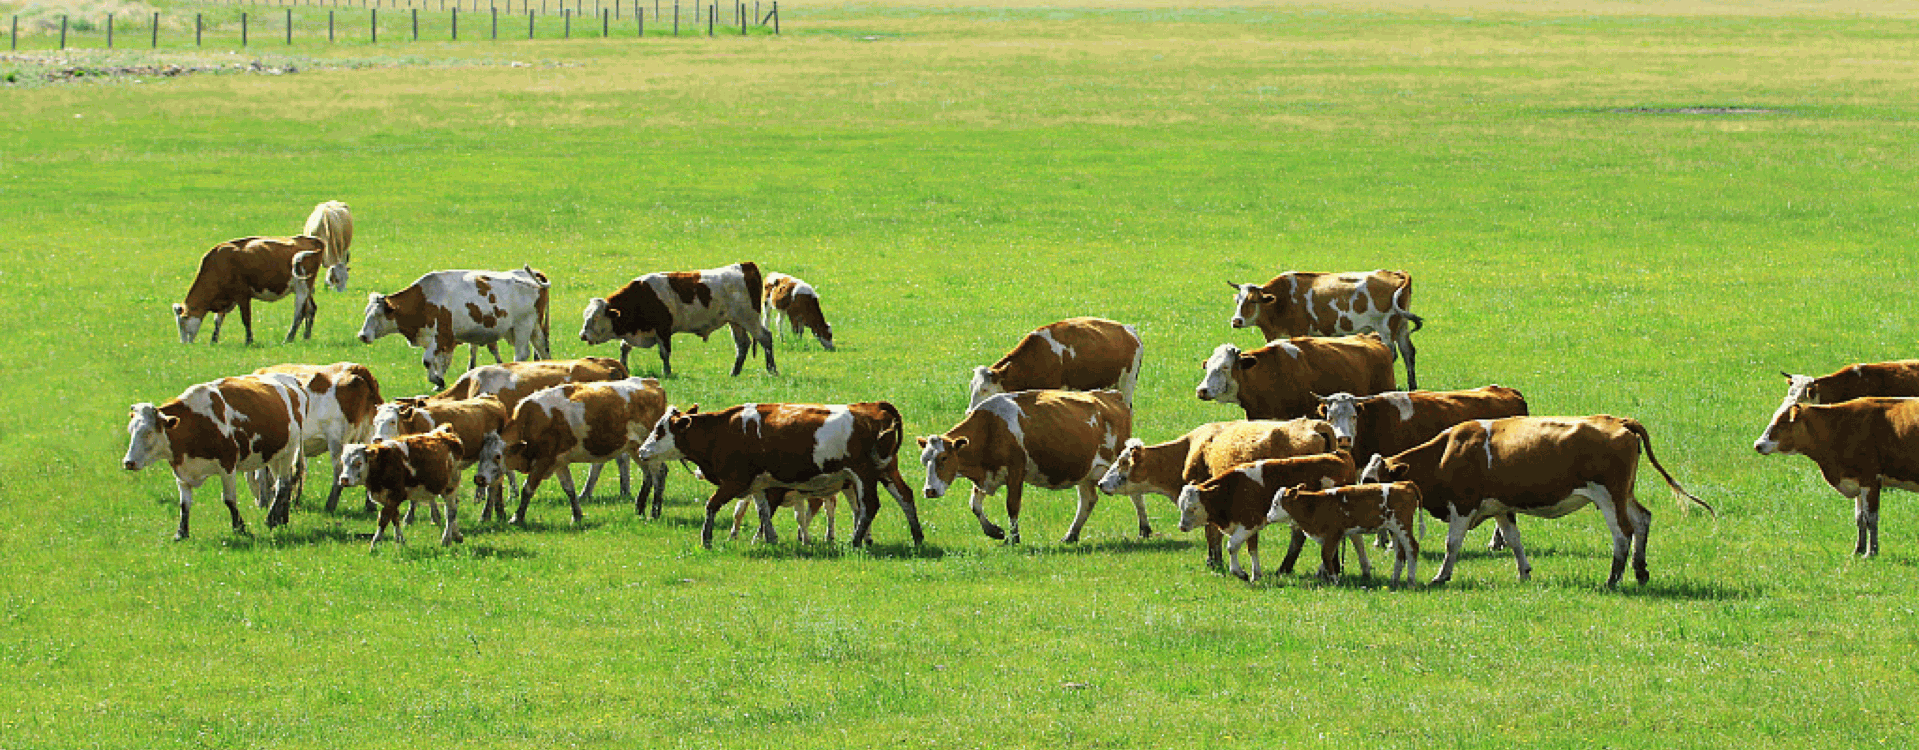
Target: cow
{"points": [[342, 398], [1539, 466], [237, 272], [1238, 500], [806, 449], [1344, 512], [1081, 354], [1278, 380], [648, 310], [795, 301], [804, 509], [333, 224], [443, 309], [471, 419], [1204, 453], [1051, 439], [1897, 378], [512, 381], [222, 428], [577, 423], [1861, 447], [1297, 303], [408, 468]]}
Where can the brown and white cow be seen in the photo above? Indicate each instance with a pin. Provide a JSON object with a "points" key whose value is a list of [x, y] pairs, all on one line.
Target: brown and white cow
{"points": [[1861, 447], [806, 449], [1278, 380], [342, 398], [237, 272], [1080, 354], [648, 310], [1297, 303], [804, 509], [512, 381], [1206, 452], [443, 309], [1050, 439], [222, 428], [410, 467], [332, 222], [576, 423], [1238, 500], [473, 420], [1896, 378], [1539, 466], [1345, 512], [798, 304]]}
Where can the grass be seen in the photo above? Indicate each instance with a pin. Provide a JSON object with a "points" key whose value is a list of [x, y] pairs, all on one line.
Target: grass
{"points": [[950, 176]]}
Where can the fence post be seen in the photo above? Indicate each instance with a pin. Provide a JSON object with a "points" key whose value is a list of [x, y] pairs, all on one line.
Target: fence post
{"points": [[712, 10], [456, 22], [416, 24], [567, 16], [776, 17], [243, 28], [63, 32], [15, 37], [109, 31], [496, 23], [374, 23], [639, 17], [676, 17], [289, 27], [529, 23], [605, 22], [156, 29], [742, 19], [196, 29], [329, 27]]}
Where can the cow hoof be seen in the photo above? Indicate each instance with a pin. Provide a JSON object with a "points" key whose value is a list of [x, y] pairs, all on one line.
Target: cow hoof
{"points": [[994, 532], [179, 536], [517, 521], [1145, 532]]}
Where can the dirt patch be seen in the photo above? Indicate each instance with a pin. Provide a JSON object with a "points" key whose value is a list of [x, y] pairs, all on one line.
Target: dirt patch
{"points": [[33, 69]]}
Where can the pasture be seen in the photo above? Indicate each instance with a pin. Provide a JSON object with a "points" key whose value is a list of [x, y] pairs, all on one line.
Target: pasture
{"points": [[1645, 209]]}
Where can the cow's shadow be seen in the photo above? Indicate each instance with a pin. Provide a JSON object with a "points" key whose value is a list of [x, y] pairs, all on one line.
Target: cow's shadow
{"points": [[791, 550]]}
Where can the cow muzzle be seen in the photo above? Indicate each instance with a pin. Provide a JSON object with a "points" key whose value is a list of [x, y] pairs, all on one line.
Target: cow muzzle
{"points": [[129, 465], [1203, 394], [1765, 447], [1239, 322], [933, 494]]}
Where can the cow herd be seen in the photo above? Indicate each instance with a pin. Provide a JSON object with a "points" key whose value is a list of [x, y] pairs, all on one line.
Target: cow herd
{"points": [[1329, 448]]}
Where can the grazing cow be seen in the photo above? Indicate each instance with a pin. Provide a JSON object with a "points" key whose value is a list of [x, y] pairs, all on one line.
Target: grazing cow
{"points": [[471, 419], [342, 398], [795, 301], [1539, 466], [221, 428], [1898, 378], [1278, 380], [1081, 354], [1861, 446], [1238, 500], [578, 423], [409, 468], [1344, 512], [650, 309], [1206, 452], [1049, 439], [1296, 303], [444, 309], [237, 272], [333, 224], [811, 450]]}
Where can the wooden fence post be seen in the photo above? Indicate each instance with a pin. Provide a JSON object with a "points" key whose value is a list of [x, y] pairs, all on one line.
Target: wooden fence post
{"points": [[496, 23], [15, 37], [416, 24], [529, 23], [63, 32], [605, 25], [109, 31], [374, 23], [742, 9], [676, 17], [243, 28], [196, 29], [456, 22], [776, 17], [156, 29], [639, 18], [329, 27], [711, 10], [289, 27]]}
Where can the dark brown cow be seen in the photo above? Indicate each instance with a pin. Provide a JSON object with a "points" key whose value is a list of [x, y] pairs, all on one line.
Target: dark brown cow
{"points": [[219, 429], [1297, 303], [410, 467], [807, 449], [1080, 354], [1897, 378], [647, 311], [1539, 466], [578, 423], [1861, 447], [342, 399], [443, 309], [1050, 439], [237, 272], [796, 301], [1238, 500], [1345, 512], [1278, 380]]}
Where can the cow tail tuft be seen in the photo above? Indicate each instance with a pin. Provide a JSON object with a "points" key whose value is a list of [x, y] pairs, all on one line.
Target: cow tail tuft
{"points": [[1645, 439]]}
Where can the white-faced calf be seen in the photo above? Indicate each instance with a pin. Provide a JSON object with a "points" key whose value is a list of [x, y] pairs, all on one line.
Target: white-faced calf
{"points": [[1346, 512]]}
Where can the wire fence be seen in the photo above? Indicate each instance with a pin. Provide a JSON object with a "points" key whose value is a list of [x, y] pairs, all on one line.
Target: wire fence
{"points": [[287, 23]]}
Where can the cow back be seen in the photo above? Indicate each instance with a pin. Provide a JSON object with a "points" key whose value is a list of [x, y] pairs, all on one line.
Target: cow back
{"points": [[1234, 443], [1083, 354]]}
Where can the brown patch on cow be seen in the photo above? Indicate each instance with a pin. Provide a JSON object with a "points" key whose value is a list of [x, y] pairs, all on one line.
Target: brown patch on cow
{"points": [[690, 289], [482, 316], [636, 308], [245, 269]]}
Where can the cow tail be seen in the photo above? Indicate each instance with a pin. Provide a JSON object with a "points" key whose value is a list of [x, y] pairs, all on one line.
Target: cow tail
{"points": [[1645, 439], [543, 338], [755, 286], [886, 448]]}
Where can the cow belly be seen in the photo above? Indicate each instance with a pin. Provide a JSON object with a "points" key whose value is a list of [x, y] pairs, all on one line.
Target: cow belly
{"points": [[1493, 506]]}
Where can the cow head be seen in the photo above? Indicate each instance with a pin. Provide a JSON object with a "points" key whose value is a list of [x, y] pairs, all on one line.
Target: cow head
{"points": [[147, 441], [1382, 470], [662, 444], [1276, 513], [985, 385], [1802, 389], [379, 318], [355, 460], [1246, 301], [436, 361], [598, 326], [188, 322], [940, 455], [489, 466], [1192, 512], [1342, 411], [401, 417], [1118, 477], [1779, 436], [336, 277], [1221, 382]]}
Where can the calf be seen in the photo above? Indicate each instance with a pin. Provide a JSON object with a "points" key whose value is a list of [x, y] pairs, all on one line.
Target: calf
{"points": [[221, 428], [443, 309], [1539, 466], [795, 301], [409, 467], [471, 419], [1898, 378], [1861, 446], [1081, 354], [332, 222], [1206, 452], [342, 398], [237, 272], [577, 423], [1297, 303], [1049, 439], [804, 508], [1237, 501], [808, 449], [1278, 380], [1344, 512], [647, 311]]}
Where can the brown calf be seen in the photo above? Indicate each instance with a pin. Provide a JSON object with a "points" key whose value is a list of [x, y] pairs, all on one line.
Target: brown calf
{"points": [[409, 467], [1344, 512], [1239, 499]]}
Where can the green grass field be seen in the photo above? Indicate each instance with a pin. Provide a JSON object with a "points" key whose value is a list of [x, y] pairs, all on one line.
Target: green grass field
{"points": [[950, 176]]}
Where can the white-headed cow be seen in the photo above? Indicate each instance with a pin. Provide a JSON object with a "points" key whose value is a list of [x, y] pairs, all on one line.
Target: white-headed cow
{"points": [[220, 429], [1079, 354], [1297, 303], [648, 310], [237, 272], [443, 309], [1278, 380], [574, 423]]}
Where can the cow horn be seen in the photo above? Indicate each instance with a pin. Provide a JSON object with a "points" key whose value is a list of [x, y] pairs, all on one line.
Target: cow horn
{"points": [[1233, 285]]}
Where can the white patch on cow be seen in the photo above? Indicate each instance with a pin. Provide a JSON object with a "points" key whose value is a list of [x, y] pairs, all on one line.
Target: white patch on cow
{"points": [[1487, 425], [147, 440], [1121, 469], [1276, 512], [1402, 401], [1218, 383], [982, 387], [1239, 306], [1008, 411], [1768, 442], [750, 421], [1059, 349], [1375, 470], [831, 439], [659, 443]]}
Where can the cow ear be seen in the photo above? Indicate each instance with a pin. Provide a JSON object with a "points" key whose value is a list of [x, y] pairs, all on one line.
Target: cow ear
{"points": [[694, 409], [180, 310], [1247, 362], [170, 421], [612, 312], [1320, 411], [1233, 285], [921, 441], [1264, 299], [958, 443]]}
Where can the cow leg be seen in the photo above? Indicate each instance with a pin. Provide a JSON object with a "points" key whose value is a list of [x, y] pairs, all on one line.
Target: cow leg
{"points": [[186, 506], [739, 518], [1015, 496], [766, 340], [721, 494], [1145, 526], [229, 493], [436, 363], [741, 342], [1329, 557], [246, 317], [283, 485], [903, 496], [257, 483], [992, 530], [1456, 528], [625, 348], [625, 463], [1215, 542], [538, 472], [865, 503], [769, 500], [803, 519], [1237, 540], [1511, 532], [1405, 553], [219, 319], [592, 478], [666, 355], [566, 483], [1252, 553], [1087, 498], [312, 311], [451, 532], [1498, 542], [494, 349], [1865, 515], [654, 483], [333, 461], [1641, 527], [1293, 547]]}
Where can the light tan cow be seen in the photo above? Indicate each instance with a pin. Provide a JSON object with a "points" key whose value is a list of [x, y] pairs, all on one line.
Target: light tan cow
{"points": [[237, 272], [1278, 380], [1298, 303], [332, 222], [1080, 354], [1861, 447]]}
